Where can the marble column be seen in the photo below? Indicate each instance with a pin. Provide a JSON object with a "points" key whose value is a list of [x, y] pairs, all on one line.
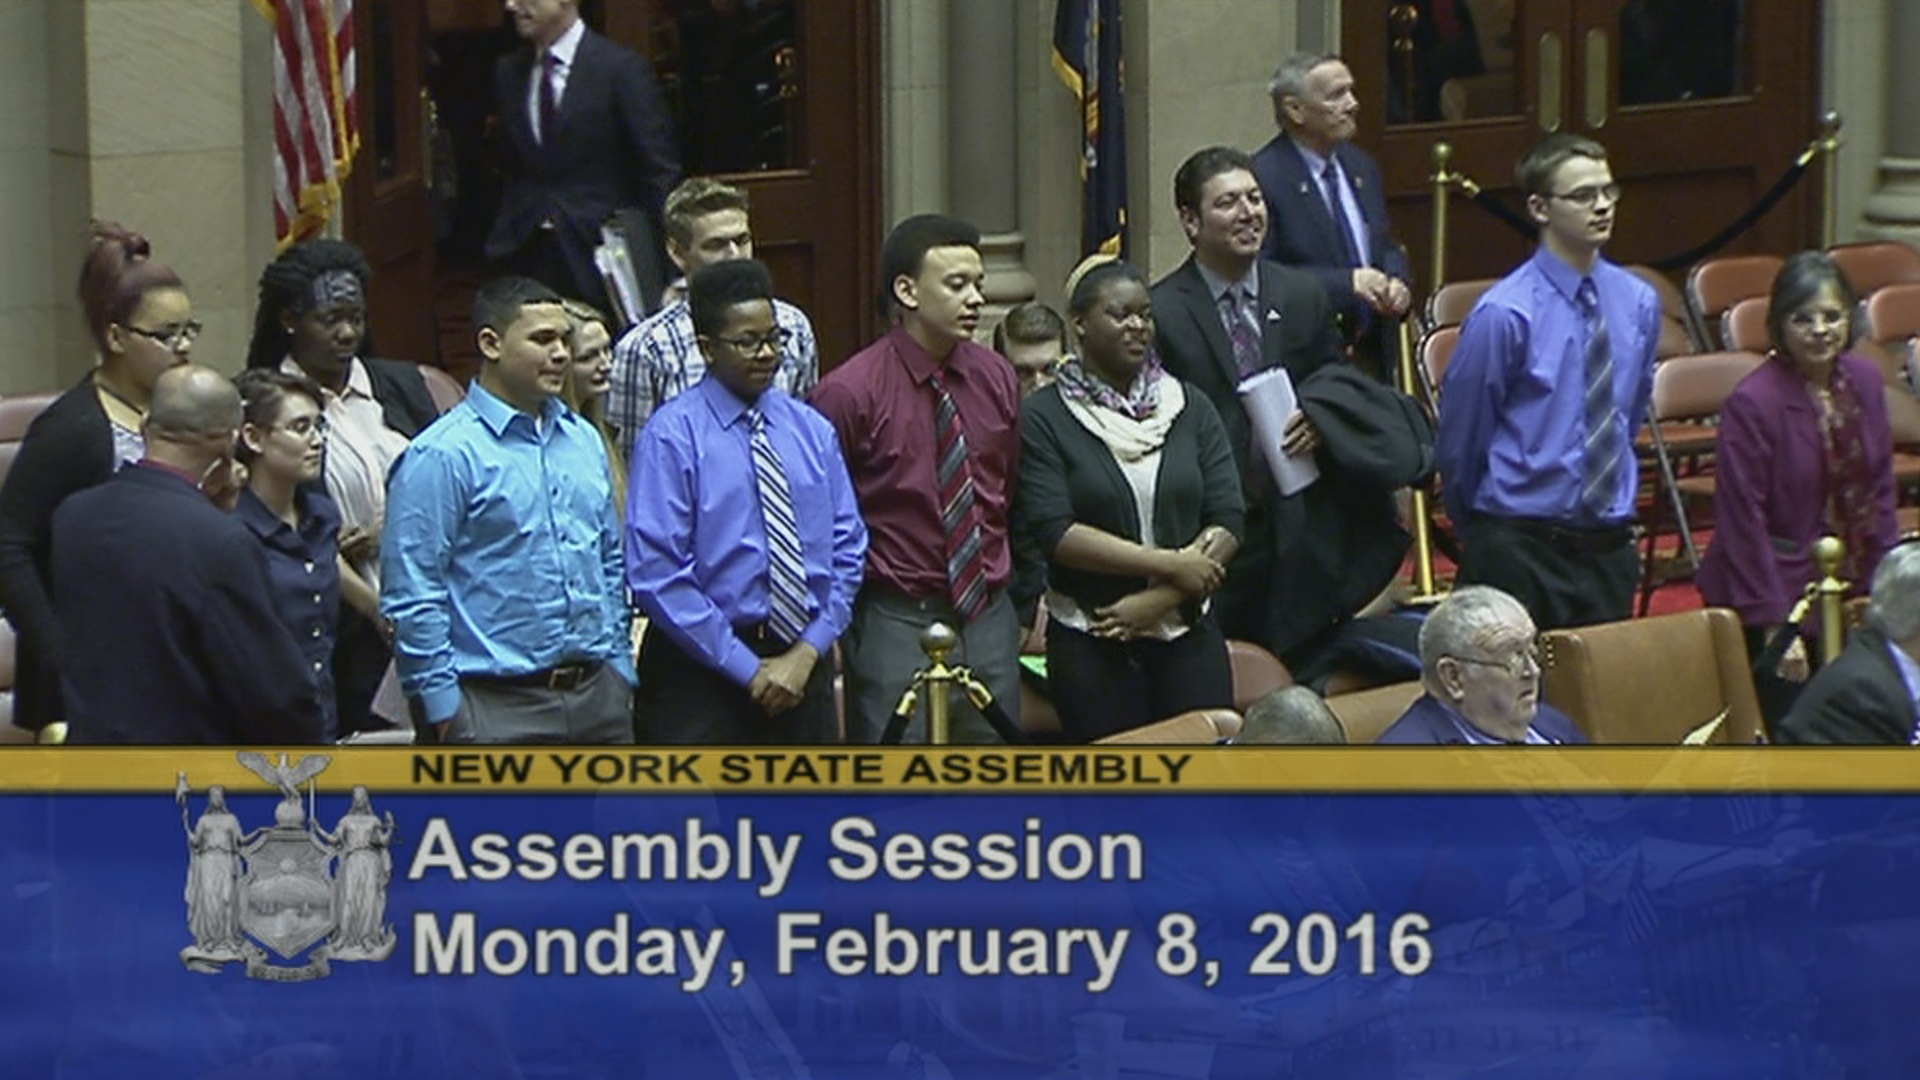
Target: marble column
{"points": [[1893, 210], [983, 143]]}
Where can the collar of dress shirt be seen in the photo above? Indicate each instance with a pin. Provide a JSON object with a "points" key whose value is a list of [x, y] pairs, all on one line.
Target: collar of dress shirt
{"points": [[498, 415], [568, 43], [1562, 276], [728, 408], [1217, 286]]}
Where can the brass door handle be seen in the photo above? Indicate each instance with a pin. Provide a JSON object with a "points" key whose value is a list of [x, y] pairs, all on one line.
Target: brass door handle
{"points": [[1553, 66]]}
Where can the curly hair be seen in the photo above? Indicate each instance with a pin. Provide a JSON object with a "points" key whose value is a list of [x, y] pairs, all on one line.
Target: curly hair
{"points": [[285, 286]]}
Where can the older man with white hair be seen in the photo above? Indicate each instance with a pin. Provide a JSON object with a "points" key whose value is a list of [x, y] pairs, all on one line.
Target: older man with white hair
{"points": [[1481, 668], [1868, 694]]}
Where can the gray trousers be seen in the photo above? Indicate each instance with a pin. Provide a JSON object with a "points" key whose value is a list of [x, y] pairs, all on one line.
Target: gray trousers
{"points": [[881, 650], [598, 710]]}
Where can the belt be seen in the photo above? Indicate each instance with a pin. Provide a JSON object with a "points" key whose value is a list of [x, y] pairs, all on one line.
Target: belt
{"points": [[559, 677], [1586, 538], [760, 636]]}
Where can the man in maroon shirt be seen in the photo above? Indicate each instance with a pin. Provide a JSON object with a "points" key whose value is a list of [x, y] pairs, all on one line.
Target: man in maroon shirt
{"points": [[927, 420]]}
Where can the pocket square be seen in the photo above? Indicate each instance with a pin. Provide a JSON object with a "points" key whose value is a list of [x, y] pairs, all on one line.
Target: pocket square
{"points": [[1273, 314]]}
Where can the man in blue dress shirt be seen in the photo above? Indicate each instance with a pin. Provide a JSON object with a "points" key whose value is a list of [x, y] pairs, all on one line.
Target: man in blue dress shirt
{"points": [[501, 556], [745, 544], [1539, 407]]}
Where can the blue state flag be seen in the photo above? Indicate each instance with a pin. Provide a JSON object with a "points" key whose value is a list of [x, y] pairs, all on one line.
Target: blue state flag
{"points": [[1086, 54]]}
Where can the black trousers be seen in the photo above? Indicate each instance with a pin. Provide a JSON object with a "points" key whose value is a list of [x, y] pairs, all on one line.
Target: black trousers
{"points": [[1562, 576], [1100, 686], [683, 701]]}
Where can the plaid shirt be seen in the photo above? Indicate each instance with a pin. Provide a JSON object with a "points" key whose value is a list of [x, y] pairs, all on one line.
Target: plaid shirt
{"points": [[659, 359]]}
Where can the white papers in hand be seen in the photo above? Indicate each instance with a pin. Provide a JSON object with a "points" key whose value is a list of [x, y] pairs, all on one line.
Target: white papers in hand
{"points": [[1270, 402]]}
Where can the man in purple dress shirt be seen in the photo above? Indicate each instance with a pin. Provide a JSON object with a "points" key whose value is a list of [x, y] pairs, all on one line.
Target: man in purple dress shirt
{"points": [[927, 421], [1540, 405], [744, 544]]}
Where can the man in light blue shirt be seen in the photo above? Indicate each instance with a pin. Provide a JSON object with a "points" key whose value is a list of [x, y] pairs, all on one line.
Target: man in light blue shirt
{"points": [[501, 555], [1540, 405], [745, 544]]}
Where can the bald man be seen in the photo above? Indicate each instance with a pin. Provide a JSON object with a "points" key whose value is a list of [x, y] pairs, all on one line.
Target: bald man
{"points": [[167, 625]]}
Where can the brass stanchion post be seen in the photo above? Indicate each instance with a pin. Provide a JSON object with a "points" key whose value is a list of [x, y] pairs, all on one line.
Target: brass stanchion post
{"points": [[1829, 145], [937, 641], [1443, 178], [1828, 552], [1422, 526]]}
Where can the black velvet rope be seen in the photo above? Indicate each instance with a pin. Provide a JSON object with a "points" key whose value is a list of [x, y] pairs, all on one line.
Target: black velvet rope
{"points": [[1003, 725], [1485, 200]]}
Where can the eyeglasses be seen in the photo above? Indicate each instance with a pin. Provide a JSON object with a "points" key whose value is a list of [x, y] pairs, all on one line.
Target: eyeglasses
{"points": [[1589, 195], [753, 346], [1817, 320], [173, 337], [305, 427], [1518, 665]]}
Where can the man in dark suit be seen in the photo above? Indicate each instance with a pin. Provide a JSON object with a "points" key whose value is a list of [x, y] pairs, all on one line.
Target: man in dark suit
{"points": [[169, 627], [1223, 314], [1868, 694], [1481, 667], [1326, 205], [589, 138]]}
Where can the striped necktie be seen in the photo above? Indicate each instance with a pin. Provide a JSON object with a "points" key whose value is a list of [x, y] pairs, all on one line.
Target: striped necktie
{"points": [[1241, 331], [1601, 460], [786, 574], [960, 517]]}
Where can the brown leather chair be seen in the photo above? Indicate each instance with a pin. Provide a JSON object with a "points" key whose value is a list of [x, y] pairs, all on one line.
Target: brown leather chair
{"points": [[1654, 680], [1256, 673], [1436, 352], [1676, 325], [1744, 325], [1449, 304], [445, 390], [1893, 313], [1367, 715], [1873, 265], [1714, 285], [1686, 389], [1201, 727]]}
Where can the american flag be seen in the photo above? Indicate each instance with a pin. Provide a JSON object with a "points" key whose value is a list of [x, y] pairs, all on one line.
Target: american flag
{"points": [[315, 132]]}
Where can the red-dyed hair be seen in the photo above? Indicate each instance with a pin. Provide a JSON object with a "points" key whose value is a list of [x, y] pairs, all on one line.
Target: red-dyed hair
{"points": [[119, 273]]}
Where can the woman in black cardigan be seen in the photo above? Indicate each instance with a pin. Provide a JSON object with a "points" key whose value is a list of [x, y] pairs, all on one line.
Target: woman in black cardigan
{"points": [[141, 321], [1128, 492]]}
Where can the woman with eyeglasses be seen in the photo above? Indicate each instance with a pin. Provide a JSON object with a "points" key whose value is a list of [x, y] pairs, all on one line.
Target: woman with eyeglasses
{"points": [[1129, 494], [1803, 451], [141, 320], [298, 526], [312, 321]]}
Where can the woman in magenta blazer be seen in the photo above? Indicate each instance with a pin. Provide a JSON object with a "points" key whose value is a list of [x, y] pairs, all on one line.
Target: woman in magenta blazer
{"points": [[1804, 451]]}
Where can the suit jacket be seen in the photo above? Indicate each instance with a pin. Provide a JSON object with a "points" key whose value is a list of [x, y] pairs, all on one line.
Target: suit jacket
{"points": [[613, 149], [68, 448], [1256, 603], [1859, 698], [405, 403], [170, 629], [1300, 229], [1427, 723]]}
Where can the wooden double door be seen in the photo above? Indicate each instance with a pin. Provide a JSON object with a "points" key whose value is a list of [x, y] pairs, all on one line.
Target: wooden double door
{"points": [[1702, 105], [779, 97]]}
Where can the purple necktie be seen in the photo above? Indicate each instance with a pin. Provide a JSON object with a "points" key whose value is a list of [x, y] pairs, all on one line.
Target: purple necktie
{"points": [[549, 109], [1236, 310], [1604, 445]]}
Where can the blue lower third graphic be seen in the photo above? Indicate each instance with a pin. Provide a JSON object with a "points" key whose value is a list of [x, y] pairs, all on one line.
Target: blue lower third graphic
{"points": [[239, 933]]}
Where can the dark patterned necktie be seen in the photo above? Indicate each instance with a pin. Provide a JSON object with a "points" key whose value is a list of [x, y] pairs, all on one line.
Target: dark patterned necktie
{"points": [[1342, 224], [960, 517], [786, 572], [549, 108], [1234, 311], [1601, 459]]}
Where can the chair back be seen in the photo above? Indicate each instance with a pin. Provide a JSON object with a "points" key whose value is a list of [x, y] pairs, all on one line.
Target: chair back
{"points": [[1696, 387], [445, 390], [1873, 265], [1366, 714], [1676, 323], [1744, 325], [1893, 313], [1436, 352], [1201, 727], [1256, 673], [1450, 303], [1654, 680], [1714, 285]]}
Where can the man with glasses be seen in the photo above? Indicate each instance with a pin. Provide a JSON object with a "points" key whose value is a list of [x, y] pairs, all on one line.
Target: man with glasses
{"points": [[1326, 206], [1481, 668], [168, 624], [1539, 407], [745, 546]]}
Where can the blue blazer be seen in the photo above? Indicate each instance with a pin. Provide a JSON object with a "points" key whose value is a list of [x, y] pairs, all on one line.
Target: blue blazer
{"points": [[1300, 230], [1426, 723]]}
